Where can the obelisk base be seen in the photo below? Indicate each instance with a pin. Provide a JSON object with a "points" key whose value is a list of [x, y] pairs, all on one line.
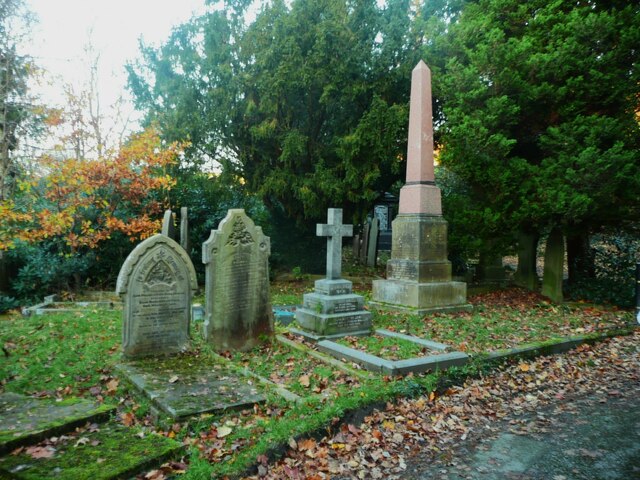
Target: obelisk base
{"points": [[420, 298], [418, 273]]}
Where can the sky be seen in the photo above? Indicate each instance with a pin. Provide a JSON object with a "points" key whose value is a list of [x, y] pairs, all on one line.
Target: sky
{"points": [[64, 27]]}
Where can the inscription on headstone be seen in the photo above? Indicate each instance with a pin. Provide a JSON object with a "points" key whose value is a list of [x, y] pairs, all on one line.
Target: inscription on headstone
{"points": [[156, 282], [238, 308]]}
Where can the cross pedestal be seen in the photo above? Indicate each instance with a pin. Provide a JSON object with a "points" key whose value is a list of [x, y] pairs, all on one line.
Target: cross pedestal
{"points": [[332, 310]]}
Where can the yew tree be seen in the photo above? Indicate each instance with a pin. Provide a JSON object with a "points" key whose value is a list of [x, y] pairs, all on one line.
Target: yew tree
{"points": [[307, 103], [540, 103]]}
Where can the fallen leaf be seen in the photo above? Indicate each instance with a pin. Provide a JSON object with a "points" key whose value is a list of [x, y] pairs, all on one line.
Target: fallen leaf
{"points": [[40, 452], [112, 386], [173, 379], [223, 432], [304, 380]]}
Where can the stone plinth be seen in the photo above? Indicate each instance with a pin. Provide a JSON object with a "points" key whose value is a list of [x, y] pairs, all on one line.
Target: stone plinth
{"points": [[332, 309], [418, 273]]}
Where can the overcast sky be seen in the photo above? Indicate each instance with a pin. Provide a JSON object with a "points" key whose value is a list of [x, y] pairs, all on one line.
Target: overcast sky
{"points": [[63, 28]]}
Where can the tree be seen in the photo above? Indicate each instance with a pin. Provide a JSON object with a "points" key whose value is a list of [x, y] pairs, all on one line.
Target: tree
{"points": [[75, 206], [308, 103], [14, 72], [539, 105]]}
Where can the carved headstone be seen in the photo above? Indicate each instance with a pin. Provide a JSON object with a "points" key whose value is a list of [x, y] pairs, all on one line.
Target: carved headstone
{"points": [[238, 311], [169, 225], [332, 310], [184, 230], [156, 282]]}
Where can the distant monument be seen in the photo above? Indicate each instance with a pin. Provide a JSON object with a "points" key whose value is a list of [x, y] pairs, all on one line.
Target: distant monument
{"points": [[238, 313], [156, 281], [332, 310], [418, 273]]}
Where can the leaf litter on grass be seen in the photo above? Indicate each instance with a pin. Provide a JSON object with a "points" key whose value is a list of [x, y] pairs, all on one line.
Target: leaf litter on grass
{"points": [[430, 426]]}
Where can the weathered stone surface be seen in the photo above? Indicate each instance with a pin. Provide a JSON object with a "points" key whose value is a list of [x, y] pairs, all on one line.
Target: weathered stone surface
{"points": [[26, 420], [526, 275], [332, 309], [109, 451], [238, 307], [156, 282], [334, 230], [185, 386], [374, 232], [364, 247], [553, 266], [169, 225], [418, 273], [184, 229]]}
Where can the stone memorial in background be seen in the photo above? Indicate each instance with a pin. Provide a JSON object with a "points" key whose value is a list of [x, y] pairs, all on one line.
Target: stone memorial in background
{"points": [[364, 246], [333, 310], [372, 253], [156, 283], [238, 313], [169, 225], [418, 273], [184, 230]]}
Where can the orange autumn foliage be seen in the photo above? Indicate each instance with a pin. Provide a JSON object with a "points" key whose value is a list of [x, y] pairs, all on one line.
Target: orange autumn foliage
{"points": [[84, 202]]}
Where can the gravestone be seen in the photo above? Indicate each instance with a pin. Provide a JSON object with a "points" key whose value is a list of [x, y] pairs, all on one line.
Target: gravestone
{"points": [[364, 248], [184, 230], [333, 310], [156, 283], [374, 232], [418, 273], [356, 247], [553, 266], [169, 225], [238, 311]]}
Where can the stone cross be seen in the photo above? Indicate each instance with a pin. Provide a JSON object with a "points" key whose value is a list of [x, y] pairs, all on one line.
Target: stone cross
{"points": [[334, 230]]}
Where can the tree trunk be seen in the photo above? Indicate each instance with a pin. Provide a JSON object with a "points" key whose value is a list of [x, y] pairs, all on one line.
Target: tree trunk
{"points": [[4, 274], [526, 275], [580, 258], [553, 266]]}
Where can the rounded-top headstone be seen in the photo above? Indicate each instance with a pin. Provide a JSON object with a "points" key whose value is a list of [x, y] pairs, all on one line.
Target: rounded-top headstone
{"points": [[156, 281]]}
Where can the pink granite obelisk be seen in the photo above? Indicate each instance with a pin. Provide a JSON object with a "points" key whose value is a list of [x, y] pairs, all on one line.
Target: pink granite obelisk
{"points": [[420, 194], [419, 273]]}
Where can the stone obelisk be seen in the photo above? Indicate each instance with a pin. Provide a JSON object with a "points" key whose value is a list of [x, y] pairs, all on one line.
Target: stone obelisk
{"points": [[418, 273]]}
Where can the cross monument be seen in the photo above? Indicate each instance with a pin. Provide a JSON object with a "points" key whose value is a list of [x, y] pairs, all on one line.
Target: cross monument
{"points": [[334, 230]]}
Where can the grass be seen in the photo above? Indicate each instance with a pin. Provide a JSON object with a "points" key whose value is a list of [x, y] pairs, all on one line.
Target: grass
{"points": [[63, 355], [386, 347]]}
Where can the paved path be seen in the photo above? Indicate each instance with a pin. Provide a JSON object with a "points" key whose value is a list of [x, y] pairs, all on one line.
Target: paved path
{"points": [[584, 438]]}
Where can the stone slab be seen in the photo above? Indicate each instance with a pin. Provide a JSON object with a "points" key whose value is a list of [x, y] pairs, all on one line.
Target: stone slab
{"points": [[26, 420], [184, 387], [337, 323], [329, 304], [420, 341], [419, 271], [387, 307], [398, 367], [370, 362], [333, 287], [312, 337], [109, 451], [430, 363], [419, 295]]}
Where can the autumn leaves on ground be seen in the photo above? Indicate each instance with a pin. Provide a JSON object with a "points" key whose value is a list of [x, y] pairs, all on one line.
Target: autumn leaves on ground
{"points": [[398, 422]]}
